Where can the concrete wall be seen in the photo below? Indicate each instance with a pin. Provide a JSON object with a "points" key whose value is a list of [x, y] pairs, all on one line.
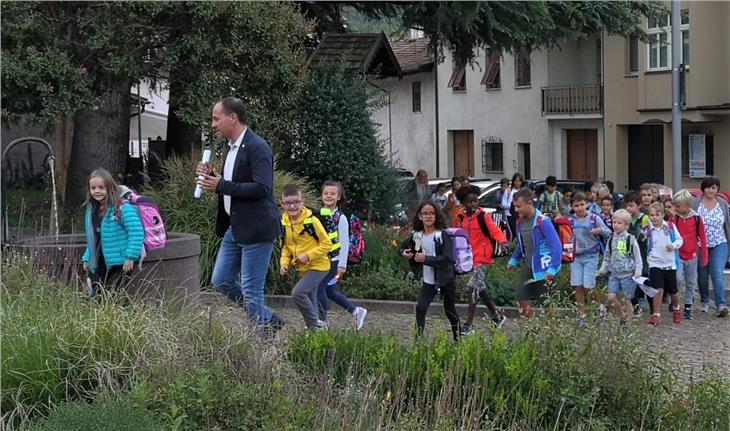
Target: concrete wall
{"points": [[575, 62], [513, 115], [413, 133]]}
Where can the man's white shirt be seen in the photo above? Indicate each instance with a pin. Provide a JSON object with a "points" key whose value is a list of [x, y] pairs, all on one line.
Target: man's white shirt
{"points": [[228, 168]]}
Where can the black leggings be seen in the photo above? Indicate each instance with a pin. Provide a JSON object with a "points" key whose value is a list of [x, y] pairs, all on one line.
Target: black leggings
{"points": [[428, 293]]}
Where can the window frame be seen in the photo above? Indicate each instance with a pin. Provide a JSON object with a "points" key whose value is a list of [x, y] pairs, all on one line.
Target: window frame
{"points": [[656, 33], [458, 75], [633, 44], [493, 60], [521, 54], [492, 145], [414, 85]]}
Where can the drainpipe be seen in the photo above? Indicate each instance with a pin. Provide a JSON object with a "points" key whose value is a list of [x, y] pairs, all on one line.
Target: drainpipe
{"points": [[436, 115], [676, 109], [390, 121]]}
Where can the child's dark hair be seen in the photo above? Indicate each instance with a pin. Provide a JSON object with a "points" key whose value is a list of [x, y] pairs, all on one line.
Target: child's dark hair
{"points": [[418, 224], [633, 197], [442, 186], [609, 184], [607, 198], [291, 189], [455, 180], [578, 197], [340, 189], [516, 177], [464, 192], [551, 181], [504, 180], [525, 195]]}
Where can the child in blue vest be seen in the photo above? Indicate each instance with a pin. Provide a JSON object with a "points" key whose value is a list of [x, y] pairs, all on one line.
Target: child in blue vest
{"points": [[539, 250], [664, 242], [114, 234], [332, 194]]}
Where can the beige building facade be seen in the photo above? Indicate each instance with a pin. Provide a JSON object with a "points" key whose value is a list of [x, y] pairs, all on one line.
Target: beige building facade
{"points": [[638, 94]]}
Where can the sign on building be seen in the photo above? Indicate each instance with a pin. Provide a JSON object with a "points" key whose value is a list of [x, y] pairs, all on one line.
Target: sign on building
{"points": [[697, 156]]}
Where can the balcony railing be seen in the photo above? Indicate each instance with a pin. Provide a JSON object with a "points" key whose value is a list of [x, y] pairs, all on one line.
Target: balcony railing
{"points": [[572, 99]]}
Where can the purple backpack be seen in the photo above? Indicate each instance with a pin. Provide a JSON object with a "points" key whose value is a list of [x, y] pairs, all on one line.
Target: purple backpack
{"points": [[155, 233], [462, 256]]}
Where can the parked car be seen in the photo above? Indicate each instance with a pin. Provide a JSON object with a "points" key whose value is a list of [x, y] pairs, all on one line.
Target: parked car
{"points": [[538, 186]]}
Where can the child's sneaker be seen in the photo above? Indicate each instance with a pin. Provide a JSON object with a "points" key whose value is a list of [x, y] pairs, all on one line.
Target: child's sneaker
{"points": [[466, 330], [602, 311], [704, 308], [688, 314], [499, 320], [723, 311], [676, 316], [655, 319], [637, 311], [359, 317]]}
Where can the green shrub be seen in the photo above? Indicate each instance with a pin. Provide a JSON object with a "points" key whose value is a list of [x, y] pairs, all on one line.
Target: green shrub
{"points": [[598, 378], [218, 397], [104, 414]]}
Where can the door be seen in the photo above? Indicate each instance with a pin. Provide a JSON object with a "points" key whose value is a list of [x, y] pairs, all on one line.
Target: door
{"points": [[646, 155], [582, 151], [463, 152], [523, 159]]}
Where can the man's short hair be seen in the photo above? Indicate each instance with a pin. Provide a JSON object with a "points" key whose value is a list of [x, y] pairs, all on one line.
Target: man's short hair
{"points": [[578, 197], [551, 181], [525, 195], [622, 215], [291, 189], [682, 197], [234, 105], [633, 197], [607, 198]]}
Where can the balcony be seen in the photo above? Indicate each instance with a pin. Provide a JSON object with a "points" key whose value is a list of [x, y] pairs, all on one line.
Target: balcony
{"points": [[573, 100]]}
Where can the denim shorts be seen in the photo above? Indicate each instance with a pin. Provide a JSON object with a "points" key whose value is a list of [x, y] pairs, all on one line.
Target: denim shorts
{"points": [[583, 270], [625, 287]]}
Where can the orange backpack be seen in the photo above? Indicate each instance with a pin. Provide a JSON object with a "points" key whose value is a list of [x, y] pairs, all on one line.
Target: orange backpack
{"points": [[567, 239]]}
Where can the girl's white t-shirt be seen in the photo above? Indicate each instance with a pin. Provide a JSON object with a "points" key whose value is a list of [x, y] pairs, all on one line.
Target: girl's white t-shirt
{"points": [[428, 247]]}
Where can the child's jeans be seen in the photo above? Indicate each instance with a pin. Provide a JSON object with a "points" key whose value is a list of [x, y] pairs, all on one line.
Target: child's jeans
{"points": [[327, 291], [305, 296], [687, 277], [625, 287]]}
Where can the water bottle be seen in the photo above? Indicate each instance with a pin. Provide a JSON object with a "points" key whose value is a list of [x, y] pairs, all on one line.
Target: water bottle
{"points": [[334, 280], [198, 188]]}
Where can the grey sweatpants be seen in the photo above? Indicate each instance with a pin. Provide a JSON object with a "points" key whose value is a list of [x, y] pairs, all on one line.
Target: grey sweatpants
{"points": [[305, 296], [687, 277]]}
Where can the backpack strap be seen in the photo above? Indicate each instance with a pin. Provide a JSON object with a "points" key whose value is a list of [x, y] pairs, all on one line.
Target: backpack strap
{"points": [[483, 225]]}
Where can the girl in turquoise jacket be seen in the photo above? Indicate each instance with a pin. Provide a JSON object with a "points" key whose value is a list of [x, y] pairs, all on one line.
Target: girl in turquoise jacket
{"points": [[114, 233]]}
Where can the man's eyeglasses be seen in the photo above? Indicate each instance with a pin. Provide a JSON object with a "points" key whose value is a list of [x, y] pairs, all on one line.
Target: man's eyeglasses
{"points": [[291, 203]]}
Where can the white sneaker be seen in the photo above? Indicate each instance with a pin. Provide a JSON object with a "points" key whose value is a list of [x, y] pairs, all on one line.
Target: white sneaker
{"points": [[322, 325], [359, 317], [705, 308], [723, 311], [602, 311]]}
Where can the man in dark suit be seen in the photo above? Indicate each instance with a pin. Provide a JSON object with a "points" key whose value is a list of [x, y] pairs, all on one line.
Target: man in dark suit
{"points": [[248, 219]]}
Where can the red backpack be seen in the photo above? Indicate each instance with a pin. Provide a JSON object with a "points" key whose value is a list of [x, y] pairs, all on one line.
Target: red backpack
{"points": [[564, 226]]}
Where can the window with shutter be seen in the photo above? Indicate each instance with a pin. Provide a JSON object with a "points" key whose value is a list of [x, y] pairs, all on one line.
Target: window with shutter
{"points": [[522, 69], [458, 78], [491, 78], [492, 155]]}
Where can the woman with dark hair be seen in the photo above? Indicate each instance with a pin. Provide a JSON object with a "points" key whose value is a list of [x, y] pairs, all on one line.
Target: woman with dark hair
{"points": [[714, 212], [429, 251]]}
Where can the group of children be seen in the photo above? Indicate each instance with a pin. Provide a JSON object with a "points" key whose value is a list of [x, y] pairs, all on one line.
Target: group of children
{"points": [[647, 238]]}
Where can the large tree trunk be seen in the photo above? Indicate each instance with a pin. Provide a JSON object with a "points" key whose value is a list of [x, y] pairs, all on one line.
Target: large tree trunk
{"points": [[100, 140], [181, 138]]}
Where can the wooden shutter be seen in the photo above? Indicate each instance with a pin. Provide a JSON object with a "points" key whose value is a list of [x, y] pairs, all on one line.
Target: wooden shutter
{"points": [[522, 68], [491, 75]]}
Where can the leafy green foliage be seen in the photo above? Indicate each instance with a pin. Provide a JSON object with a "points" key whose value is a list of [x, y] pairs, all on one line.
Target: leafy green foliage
{"points": [[334, 138], [104, 414]]}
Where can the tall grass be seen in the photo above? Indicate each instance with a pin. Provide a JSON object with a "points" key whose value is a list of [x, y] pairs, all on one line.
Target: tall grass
{"points": [[57, 345]]}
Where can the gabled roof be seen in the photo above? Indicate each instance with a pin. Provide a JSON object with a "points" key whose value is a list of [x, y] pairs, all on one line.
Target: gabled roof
{"points": [[413, 55], [369, 53]]}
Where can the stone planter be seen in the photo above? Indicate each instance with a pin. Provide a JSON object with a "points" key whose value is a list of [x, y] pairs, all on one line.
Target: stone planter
{"points": [[169, 274]]}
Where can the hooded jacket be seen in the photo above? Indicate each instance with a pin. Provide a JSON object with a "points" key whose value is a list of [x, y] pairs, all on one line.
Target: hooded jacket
{"points": [[481, 245], [121, 239], [298, 239]]}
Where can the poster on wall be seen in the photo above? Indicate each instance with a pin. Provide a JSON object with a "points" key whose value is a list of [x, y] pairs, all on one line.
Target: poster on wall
{"points": [[697, 156]]}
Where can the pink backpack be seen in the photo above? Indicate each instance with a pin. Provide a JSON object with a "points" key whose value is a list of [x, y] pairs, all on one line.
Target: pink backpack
{"points": [[155, 233]]}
